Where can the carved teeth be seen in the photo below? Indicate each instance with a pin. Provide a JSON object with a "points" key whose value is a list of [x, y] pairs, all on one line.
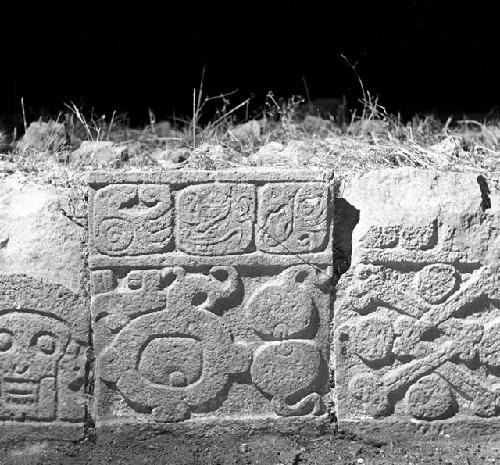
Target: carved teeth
{"points": [[20, 391]]}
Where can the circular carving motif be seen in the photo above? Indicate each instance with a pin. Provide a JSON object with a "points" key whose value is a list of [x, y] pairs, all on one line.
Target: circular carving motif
{"points": [[285, 368], [430, 398], [374, 339], [171, 361], [282, 311], [310, 206], [435, 283], [115, 235]]}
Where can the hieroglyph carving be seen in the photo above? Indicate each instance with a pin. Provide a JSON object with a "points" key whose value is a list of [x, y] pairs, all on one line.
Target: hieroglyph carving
{"points": [[215, 219], [42, 351], [292, 218], [132, 219], [417, 337]]}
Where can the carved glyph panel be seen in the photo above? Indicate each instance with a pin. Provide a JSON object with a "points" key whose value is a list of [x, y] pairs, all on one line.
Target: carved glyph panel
{"points": [[268, 219], [220, 322], [293, 218], [215, 219], [417, 332], [132, 219]]}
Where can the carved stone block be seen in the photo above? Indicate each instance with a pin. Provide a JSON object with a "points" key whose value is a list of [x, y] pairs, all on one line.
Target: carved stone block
{"points": [[218, 324], [43, 358], [417, 325]]}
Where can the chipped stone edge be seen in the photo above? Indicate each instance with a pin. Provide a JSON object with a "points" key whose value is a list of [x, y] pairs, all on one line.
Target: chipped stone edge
{"points": [[253, 259], [98, 179]]}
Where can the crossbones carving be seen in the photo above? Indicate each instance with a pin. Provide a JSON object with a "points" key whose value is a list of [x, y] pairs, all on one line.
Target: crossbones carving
{"points": [[430, 339]]}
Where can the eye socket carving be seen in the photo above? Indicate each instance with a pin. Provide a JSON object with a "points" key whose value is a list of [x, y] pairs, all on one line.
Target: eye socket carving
{"points": [[46, 343], [5, 340]]}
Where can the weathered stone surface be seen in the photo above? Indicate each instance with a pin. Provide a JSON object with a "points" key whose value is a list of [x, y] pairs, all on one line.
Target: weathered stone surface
{"points": [[43, 358], [215, 219], [36, 238], [43, 137], [293, 218], [211, 320], [99, 153], [132, 220], [220, 218], [417, 335]]}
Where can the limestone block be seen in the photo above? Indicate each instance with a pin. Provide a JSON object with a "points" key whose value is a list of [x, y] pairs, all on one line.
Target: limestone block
{"points": [[36, 238], [417, 316], [43, 359], [196, 313]]}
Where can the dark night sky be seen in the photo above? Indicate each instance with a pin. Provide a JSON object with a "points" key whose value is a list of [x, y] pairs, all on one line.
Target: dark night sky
{"points": [[416, 55]]}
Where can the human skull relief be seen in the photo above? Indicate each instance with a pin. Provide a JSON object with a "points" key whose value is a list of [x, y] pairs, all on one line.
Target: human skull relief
{"points": [[31, 345]]}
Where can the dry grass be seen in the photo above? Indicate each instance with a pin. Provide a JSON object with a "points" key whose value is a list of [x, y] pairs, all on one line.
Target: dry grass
{"points": [[280, 134]]}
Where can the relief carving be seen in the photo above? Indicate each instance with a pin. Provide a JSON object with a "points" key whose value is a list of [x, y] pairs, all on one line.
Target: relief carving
{"points": [[42, 352], [132, 219], [166, 349], [215, 219], [293, 218], [179, 358], [179, 338], [419, 339], [289, 366]]}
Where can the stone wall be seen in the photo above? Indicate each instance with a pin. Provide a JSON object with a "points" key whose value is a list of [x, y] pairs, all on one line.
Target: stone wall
{"points": [[216, 299]]}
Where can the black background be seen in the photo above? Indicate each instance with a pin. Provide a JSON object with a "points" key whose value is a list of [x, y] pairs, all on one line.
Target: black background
{"points": [[417, 56]]}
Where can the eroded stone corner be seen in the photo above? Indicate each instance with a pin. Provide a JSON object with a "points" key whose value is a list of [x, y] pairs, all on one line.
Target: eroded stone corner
{"points": [[211, 298]]}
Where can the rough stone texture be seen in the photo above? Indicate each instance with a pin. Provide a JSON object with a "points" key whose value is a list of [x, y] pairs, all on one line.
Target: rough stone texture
{"points": [[36, 238], [43, 137], [43, 359], [417, 316], [99, 154], [197, 313]]}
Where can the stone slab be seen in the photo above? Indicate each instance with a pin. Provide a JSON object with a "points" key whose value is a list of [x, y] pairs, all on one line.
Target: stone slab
{"points": [[36, 237], [256, 174], [211, 295], [44, 332], [417, 316]]}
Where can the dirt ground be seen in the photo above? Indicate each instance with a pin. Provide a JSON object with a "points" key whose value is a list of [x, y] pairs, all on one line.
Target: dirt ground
{"points": [[261, 448]]}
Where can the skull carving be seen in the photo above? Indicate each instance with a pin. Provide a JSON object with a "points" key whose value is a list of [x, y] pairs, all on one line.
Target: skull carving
{"points": [[31, 346]]}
